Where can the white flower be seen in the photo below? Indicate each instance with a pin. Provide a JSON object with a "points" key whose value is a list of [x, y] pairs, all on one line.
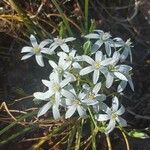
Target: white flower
{"points": [[52, 102], [123, 83], [102, 38], [62, 43], [74, 103], [92, 95], [61, 68], [113, 115], [97, 66], [56, 87], [126, 48], [36, 49], [70, 58], [116, 71]]}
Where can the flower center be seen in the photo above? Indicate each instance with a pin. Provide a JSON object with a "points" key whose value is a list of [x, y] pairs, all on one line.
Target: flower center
{"points": [[76, 102], [69, 58], [59, 41], [36, 50], [106, 36], [56, 87], [114, 115], [60, 70], [91, 96], [97, 65]]}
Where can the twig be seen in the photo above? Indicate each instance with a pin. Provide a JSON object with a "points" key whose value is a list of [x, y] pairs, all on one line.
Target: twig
{"points": [[138, 116]]}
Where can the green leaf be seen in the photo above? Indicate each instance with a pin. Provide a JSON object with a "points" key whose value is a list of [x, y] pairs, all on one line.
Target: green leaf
{"points": [[138, 134]]}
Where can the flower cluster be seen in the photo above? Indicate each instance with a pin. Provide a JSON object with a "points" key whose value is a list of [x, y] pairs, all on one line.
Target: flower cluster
{"points": [[79, 83]]}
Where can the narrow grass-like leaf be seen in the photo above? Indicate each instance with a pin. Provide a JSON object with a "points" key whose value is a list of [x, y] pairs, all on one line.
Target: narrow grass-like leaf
{"points": [[79, 135], [14, 136], [16, 122], [71, 137], [63, 17]]}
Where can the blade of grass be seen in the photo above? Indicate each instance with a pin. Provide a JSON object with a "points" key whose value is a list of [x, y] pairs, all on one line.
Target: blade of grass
{"points": [[27, 21], [63, 17], [71, 137], [14, 136], [18, 120]]}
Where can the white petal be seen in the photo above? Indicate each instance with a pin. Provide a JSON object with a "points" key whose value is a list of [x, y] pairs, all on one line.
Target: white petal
{"points": [[67, 94], [52, 48], [69, 39], [96, 46], [121, 110], [102, 117], [92, 36], [71, 110], [43, 96], [116, 57], [76, 65], [124, 54], [121, 86], [26, 49], [108, 48], [115, 104], [62, 54], [33, 41], [27, 56], [96, 88], [45, 42], [86, 70], [106, 62], [46, 51], [39, 60], [109, 79], [44, 109], [47, 83], [121, 121], [65, 82], [81, 111], [56, 113], [53, 64], [120, 76], [95, 76], [88, 59], [98, 56], [111, 126], [123, 68], [64, 47]]}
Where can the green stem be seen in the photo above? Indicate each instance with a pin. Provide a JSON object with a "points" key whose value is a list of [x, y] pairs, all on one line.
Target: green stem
{"points": [[108, 142], [125, 138], [63, 17], [91, 116], [86, 7]]}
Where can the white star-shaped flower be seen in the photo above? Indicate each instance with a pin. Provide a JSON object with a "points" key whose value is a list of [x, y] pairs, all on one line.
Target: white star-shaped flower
{"points": [[97, 66], [56, 87], [37, 50], [118, 42], [113, 115], [102, 38], [59, 42], [70, 58], [74, 103], [92, 95]]}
